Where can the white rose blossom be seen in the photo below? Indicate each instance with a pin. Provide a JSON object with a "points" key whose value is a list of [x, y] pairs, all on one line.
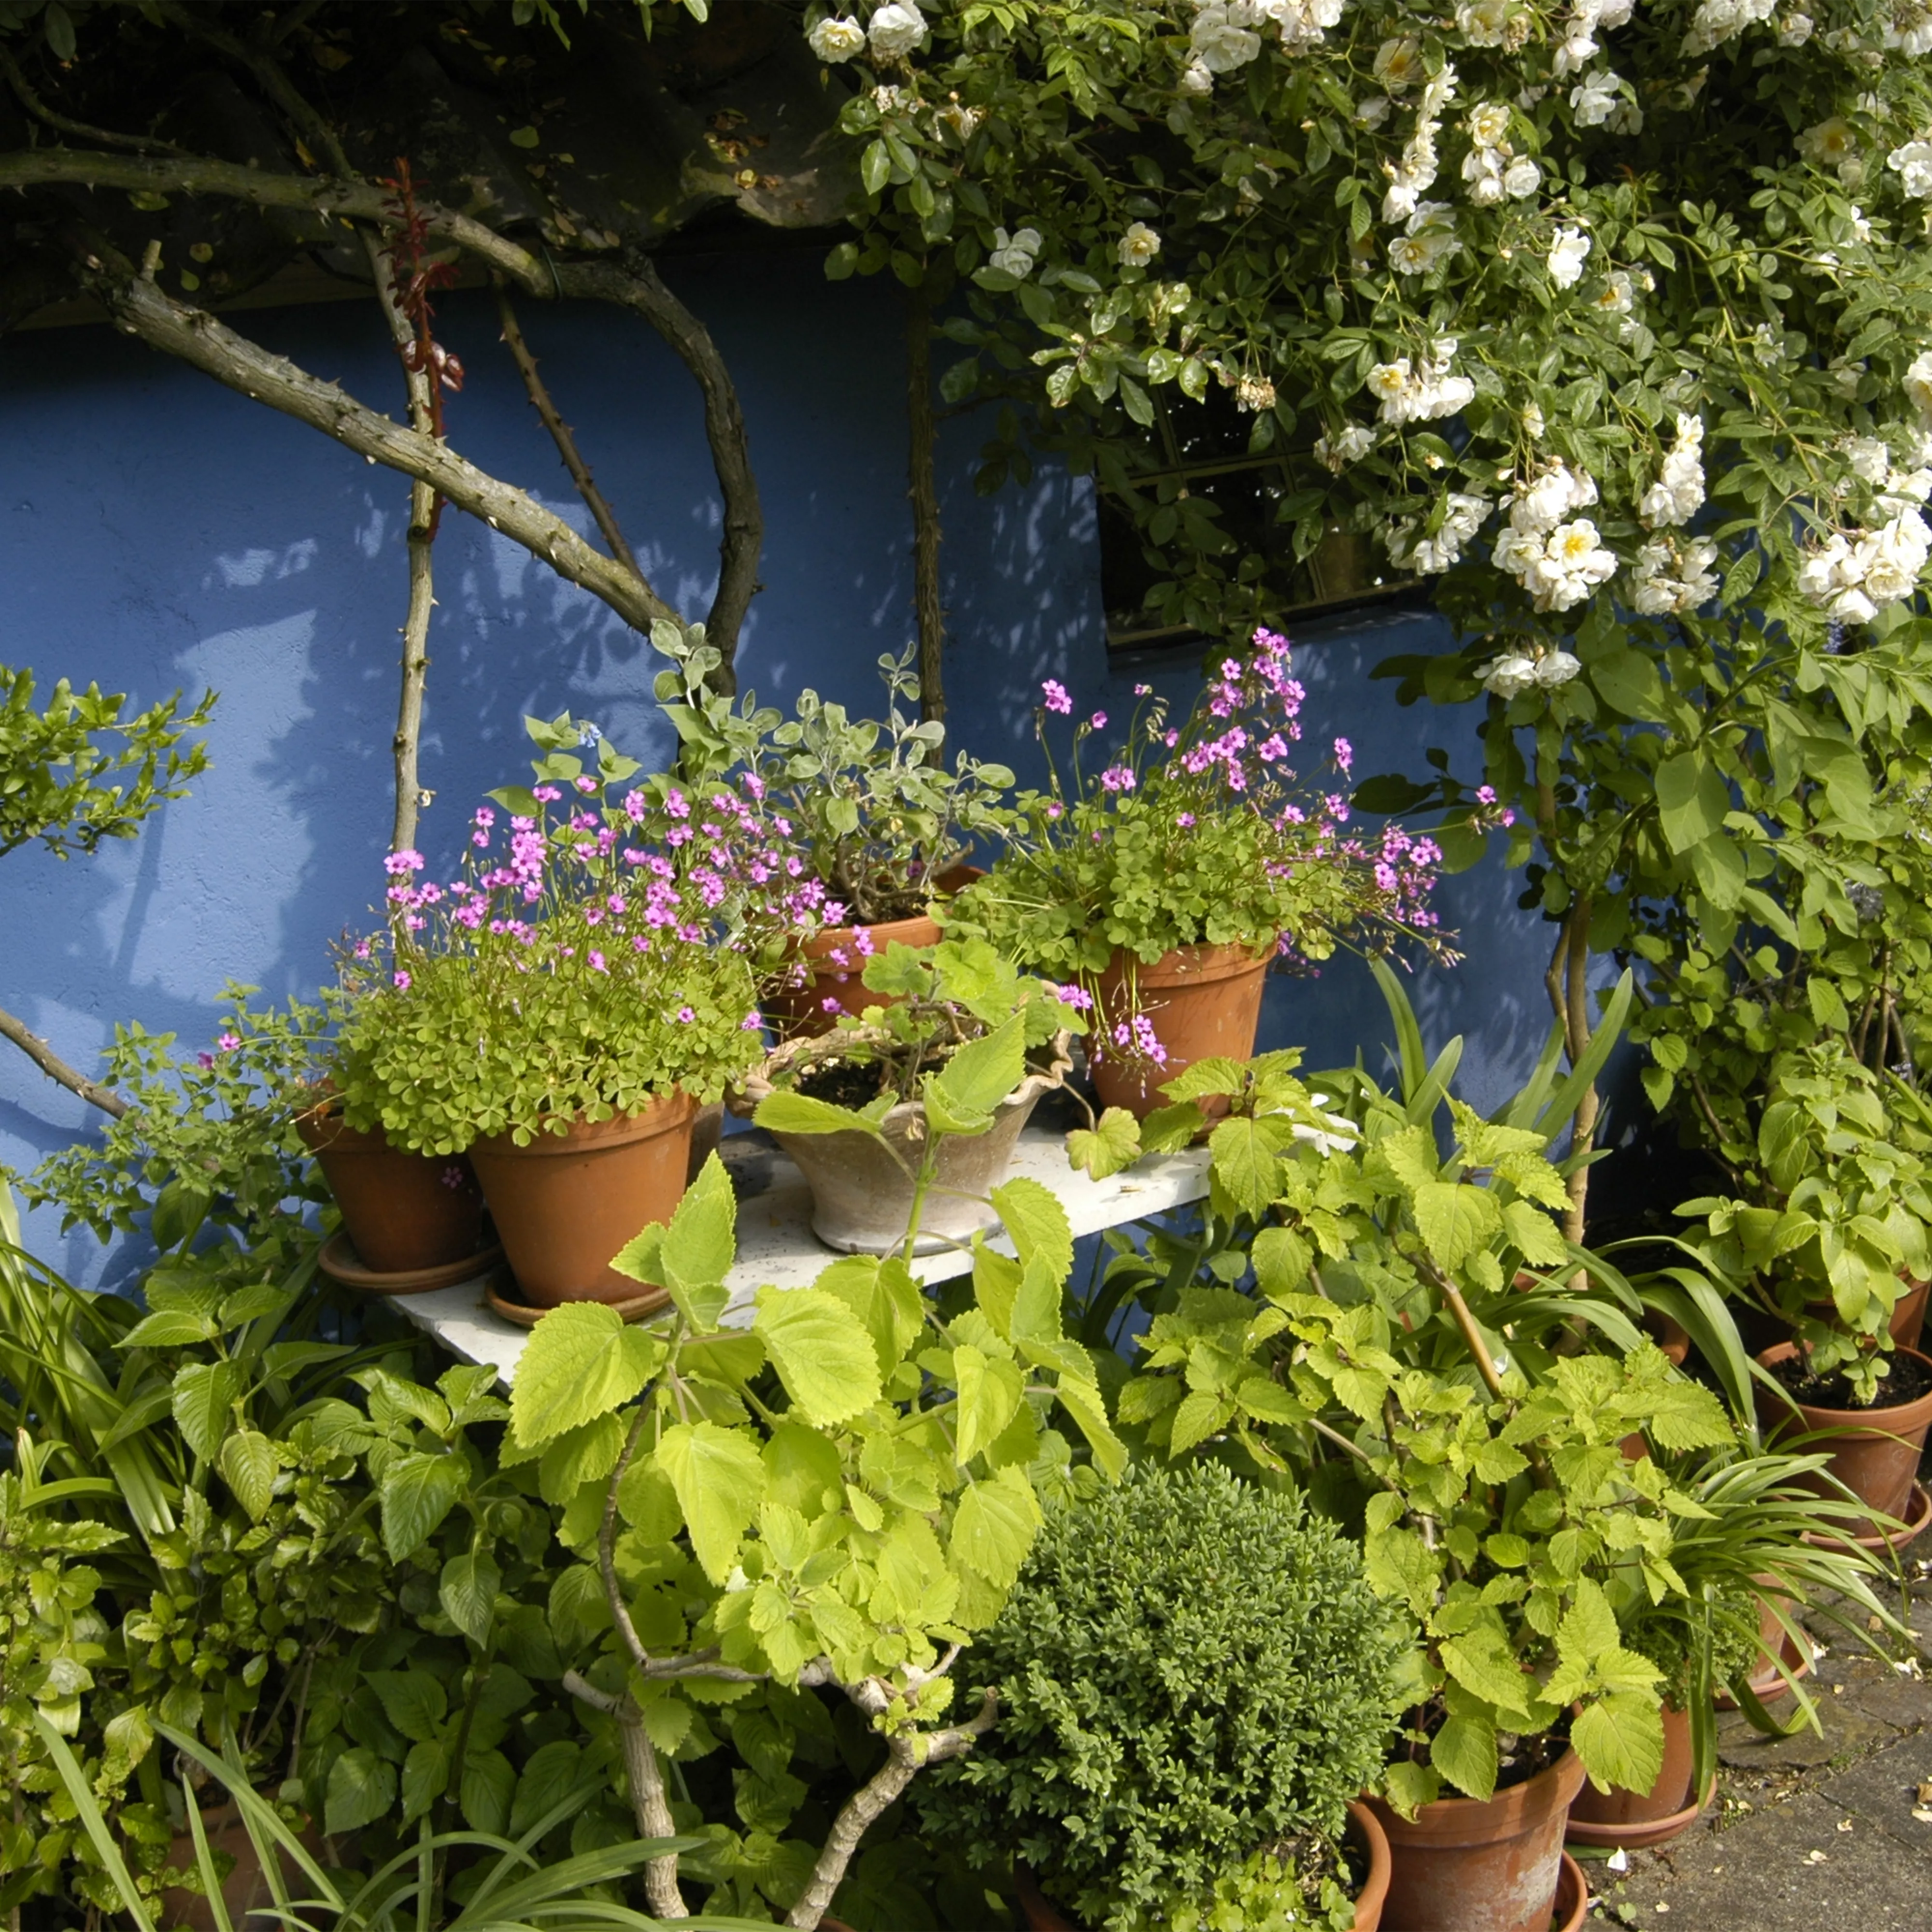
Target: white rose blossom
{"points": [[1912, 164], [1510, 673], [1410, 547], [1409, 392], [837, 40], [1373, 112], [1677, 494], [1488, 23], [895, 29], [1851, 576], [1522, 178], [1016, 256], [1347, 444], [1556, 668], [1919, 385], [1672, 576], [1794, 30], [1910, 30], [1594, 99], [1138, 247], [1567, 254]]}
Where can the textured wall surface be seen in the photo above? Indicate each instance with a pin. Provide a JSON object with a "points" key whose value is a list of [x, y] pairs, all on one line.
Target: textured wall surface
{"points": [[157, 531]]}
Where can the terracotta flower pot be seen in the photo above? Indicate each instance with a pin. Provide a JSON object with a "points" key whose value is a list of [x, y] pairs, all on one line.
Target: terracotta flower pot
{"points": [[1776, 1645], [833, 961], [1201, 1001], [245, 1889], [1039, 1914], [1633, 1819], [1465, 1865], [565, 1204], [1916, 1514], [404, 1212], [1908, 1314], [1874, 1451], [862, 1195]]}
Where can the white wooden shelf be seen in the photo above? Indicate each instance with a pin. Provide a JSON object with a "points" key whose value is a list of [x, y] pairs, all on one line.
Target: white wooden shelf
{"points": [[777, 1248]]}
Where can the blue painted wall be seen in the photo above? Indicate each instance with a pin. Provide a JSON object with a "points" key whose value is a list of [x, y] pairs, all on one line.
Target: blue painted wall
{"points": [[157, 531]]}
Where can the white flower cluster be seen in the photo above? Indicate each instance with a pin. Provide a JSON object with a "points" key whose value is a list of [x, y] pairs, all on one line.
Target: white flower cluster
{"points": [[1517, 670], [1568, 251], [1851, 576], [1677, 494], [1429, 239], [1672, 576], [1597, 101], [1919, 385], [1493, 169], [1411, 392], [1717, 21], [1463, 515], [1225, 33], [1015, 255], [896, 28], [1494, 23], [1912, 164], [1349, 445], [1832, 143], [1558, 563], [1910, 30], [1415, 175], [1578, 47]]}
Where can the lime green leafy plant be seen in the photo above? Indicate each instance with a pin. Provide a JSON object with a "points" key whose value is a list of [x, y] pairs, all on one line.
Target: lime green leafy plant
{"points": [[839, 1492]]}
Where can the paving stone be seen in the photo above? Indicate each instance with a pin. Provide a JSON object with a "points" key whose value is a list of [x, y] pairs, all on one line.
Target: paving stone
{"points": [[1899, 1701], [1846, 1731], [1760, 1875], [1883, 1790]]}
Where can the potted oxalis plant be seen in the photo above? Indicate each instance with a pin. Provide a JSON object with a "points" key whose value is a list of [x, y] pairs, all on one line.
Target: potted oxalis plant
{"points": [[953, 1066], [557, 1013], [1166, 883]]}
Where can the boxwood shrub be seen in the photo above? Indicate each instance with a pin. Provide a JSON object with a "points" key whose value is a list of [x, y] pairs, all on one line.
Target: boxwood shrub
{"points": [[1189, 1668]]}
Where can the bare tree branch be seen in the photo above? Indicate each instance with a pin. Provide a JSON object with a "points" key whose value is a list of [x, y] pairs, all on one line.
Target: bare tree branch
{"points": [[407, 744], [908, 1753], [925, 495], [141, 309], [24, 92], [634, 283], [56, 1069], [594, 499], [648, 1803]]}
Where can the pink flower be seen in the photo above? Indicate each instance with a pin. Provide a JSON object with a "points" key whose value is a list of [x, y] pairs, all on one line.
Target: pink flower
{"points": [[1143, 690], [1098, 722], [828, 1005], [585, 784], [1485, 794], [1345, 754], [1075, 996], [685, 1014], [597, 964], [402, 981], [753, 1022], [451, 1176], [228, 1042], [1118, 778], [204, 1060], [1275, 747], [1054, 694], [548, 793], [398, 863], [1055, 811], [1186, 819]]}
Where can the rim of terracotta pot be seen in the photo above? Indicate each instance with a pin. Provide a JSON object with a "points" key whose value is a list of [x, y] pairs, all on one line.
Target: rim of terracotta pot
{"points": [[1863, 1421], [1572, 1889], [1918, 1514], [1482, 1821], [664, 1113], [1634, 1838], [945, 884], [759, 1084], [1196, 965], [340, 1262]]}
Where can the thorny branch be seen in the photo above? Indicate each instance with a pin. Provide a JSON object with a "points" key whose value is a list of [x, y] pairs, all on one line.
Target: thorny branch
{"points": [[56, 1069]]}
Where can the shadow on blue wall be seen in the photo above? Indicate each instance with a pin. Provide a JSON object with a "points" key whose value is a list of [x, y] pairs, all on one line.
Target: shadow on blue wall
{"points": [[158, 531]]}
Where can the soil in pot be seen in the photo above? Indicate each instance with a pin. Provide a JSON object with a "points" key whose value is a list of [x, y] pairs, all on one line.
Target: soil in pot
{"points": [[833, 961], [1632, 1818], [1201, 1001], [862, 1193], [404, 1212], [1874, 1451], [1465, 1864], [567, 1203], [1362, 1859]]}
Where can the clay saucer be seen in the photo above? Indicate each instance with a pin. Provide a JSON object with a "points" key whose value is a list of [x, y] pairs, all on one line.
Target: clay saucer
{"points": [[504, 1297], [1918, 1513], [341, 1262]]}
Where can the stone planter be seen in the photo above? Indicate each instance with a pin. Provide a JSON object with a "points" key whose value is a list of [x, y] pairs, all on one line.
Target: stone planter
{"points": [[862, 1190]]}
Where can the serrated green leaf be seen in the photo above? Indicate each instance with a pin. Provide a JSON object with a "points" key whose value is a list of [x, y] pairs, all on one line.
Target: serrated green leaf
{"points": [[800, 1114], [989, 1392], [468, 1593], [1111, 1145], [248, 1466], [993, 1526], [362, 1788], [413, 1701], [1456, 1221], [1464, 1751], [720, 1481], [417, 1492], [983, 1072], [204, 1399], [824, 1355], [1620, 1738], [580, 1362]]}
